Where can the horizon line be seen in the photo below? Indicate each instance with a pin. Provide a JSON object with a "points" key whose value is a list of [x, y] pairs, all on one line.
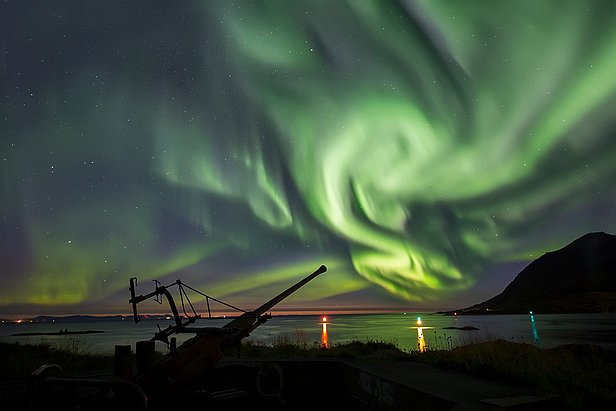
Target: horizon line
{"points": [[227, 314]]}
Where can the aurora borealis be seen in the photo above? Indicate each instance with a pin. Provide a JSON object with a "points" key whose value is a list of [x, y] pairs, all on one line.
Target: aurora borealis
{"points": [[422, 150]]}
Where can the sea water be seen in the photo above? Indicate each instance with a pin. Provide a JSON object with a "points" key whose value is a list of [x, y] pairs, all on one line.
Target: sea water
{"points": [[434, 331]]}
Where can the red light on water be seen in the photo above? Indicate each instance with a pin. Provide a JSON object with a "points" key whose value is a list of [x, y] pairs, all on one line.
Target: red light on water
{"points": [[324, 319]]}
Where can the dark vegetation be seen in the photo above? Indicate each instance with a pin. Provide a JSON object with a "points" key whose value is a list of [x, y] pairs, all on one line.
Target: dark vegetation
{"points": [[368, 350], [584, 375]]}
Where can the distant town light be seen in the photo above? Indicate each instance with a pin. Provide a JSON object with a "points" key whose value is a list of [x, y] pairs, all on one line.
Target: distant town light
{"points": [[418, 320], [324, 319]]}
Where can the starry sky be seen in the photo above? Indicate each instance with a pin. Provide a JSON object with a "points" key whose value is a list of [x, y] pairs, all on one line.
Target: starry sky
{"points": [[425, 151]]}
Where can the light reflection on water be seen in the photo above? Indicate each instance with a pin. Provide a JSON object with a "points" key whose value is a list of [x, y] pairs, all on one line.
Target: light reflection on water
{"points": [[534, 328], [401, 329], [324, 337], [421, 342]]}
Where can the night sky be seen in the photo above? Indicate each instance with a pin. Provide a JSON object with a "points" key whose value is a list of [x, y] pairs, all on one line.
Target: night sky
{"points": [[425, 151]]}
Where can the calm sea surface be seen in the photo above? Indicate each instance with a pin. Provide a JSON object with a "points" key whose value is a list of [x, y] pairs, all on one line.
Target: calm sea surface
{"points": [[545, 331]]}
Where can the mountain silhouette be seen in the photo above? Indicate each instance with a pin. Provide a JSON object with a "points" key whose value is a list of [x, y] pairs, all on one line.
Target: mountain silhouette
{"points": [[578, 278]]}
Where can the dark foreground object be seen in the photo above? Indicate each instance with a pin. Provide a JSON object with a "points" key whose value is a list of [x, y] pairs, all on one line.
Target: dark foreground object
{"points": [[290, 385]]}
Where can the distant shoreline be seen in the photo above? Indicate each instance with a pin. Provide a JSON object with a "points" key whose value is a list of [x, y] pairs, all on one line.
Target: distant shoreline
{"points": [[222, 316], [61, 332], [168, 317]]}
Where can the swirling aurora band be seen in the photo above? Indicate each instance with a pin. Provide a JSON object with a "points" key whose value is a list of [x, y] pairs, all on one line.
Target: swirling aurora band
{"points": [[410, 145]]}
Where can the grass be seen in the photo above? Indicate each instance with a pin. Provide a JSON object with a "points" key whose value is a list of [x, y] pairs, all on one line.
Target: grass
{"points": [[284, 348], [583, 375]]}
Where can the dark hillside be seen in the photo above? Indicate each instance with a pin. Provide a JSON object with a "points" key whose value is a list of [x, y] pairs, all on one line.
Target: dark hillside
{"points": [[578, 278]]}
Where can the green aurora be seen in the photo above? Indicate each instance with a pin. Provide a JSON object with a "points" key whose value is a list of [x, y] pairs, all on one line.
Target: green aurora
{"points": [[412, 146]]}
